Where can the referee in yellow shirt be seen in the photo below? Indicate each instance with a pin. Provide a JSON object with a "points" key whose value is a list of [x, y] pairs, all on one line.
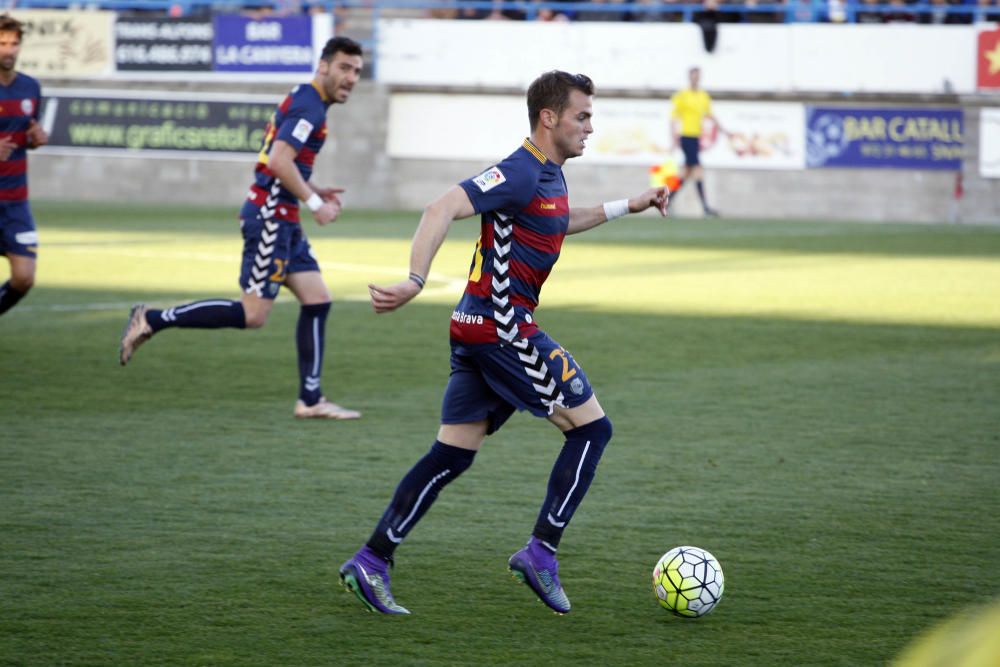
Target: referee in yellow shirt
{"points": [[691, 107]]}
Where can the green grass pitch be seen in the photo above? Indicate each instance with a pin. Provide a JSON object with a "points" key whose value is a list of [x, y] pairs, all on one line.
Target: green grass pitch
{"points": [[816, 403]]}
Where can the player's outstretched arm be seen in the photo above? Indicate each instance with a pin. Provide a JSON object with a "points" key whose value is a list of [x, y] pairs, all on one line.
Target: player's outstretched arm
{"points": [[430, 234], [582, 219]]}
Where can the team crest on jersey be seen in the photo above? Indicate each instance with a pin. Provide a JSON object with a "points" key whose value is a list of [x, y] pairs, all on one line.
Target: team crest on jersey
{"points": [[27, 106], [489, 179], [576, 386], [302, 130]]}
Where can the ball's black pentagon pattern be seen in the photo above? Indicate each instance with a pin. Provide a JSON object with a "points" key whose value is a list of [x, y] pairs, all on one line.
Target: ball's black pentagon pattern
{"points": [[688, 581]]}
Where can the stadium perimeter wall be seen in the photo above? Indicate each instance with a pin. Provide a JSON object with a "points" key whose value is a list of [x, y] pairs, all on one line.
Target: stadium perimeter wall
{"points": [[356, 157]]}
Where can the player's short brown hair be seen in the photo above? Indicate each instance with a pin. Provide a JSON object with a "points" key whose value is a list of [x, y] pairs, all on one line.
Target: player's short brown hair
{"points": [[551, 91], [10, 24], [341, 45]]}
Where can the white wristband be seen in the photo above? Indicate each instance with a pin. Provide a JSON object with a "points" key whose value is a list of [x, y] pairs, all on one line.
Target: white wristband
{"points": [[615, 209], [314, 202]]}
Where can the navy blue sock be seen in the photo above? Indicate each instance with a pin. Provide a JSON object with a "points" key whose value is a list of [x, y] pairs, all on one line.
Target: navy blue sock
{"points": [[416, 493], [571, 476], [208, 314], [8, 297], [701, 194], [310, 339]]}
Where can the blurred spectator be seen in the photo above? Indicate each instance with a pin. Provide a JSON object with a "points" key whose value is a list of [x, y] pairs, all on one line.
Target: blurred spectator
{"points": [[708, 19], [612, 13], [656, 10], [802, 11], [868, 12], [313, 7], [466, 12], [939, 13], [836, 11], [762, 17], [442, 11], [287, 7], [498, 14], [989, 10], [900, 13], [257, 10], [548, 14]]}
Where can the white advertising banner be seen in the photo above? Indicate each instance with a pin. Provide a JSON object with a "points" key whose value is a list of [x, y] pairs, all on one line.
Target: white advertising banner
{"points": [[989, 142], [626, 131], [66, 42], [758, 135], [891, 58], [455, 127], [510, 54], [629, 132], [656, 56]]}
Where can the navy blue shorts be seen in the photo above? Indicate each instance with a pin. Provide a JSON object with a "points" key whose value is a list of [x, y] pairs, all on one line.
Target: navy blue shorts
{"points": [[18, 235], [691, 147], [272, 250], [534, 374]]}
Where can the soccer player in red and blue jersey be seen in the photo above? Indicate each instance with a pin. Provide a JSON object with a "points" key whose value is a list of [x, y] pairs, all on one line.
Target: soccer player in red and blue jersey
{"points": [[20, 96], [501, 360], [276, 251]]}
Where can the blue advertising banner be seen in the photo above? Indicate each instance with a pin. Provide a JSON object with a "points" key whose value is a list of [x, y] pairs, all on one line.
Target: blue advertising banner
{"points": [[894, 138], [163, 44], [273, 44]]}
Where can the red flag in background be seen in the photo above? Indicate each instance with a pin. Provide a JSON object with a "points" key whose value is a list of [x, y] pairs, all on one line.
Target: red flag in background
{"points": [[988, 59], [665, 174]]}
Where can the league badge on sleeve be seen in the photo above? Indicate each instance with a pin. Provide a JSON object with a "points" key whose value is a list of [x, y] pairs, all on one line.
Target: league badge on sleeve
{"points": [[302, 130], [489, 179]]}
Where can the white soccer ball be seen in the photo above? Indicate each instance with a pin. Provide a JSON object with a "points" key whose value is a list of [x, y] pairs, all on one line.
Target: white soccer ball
{"points": [[688, 581]]}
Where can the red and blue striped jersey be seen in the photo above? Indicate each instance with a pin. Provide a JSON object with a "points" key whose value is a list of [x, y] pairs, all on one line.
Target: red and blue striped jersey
{"points": [[18, 107], [300, 121], [525, 213]]}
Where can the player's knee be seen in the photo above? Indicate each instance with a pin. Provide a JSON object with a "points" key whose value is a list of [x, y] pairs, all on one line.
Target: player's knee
{"points": [[255, 320], [455, 459], [605, 429], [255, 311], [22, 282], [598, 432]]}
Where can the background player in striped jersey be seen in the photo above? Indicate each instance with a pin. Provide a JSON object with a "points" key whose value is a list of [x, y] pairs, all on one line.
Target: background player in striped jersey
{"points": [[501, 361], [276, 252], [20, 96]]}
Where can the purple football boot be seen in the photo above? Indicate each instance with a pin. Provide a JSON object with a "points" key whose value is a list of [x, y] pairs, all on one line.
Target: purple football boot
{"points": [[537, 566], [366, 574]]}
